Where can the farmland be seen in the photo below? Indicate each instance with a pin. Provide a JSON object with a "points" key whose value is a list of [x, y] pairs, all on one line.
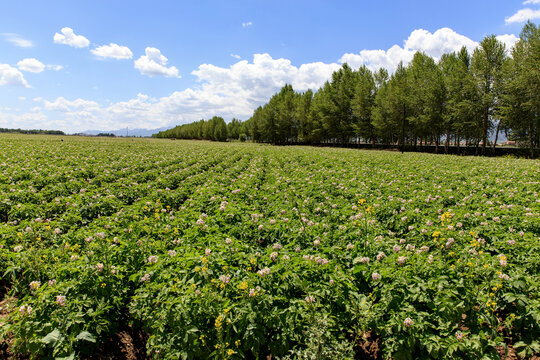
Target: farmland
{"points": [[233, 251]]}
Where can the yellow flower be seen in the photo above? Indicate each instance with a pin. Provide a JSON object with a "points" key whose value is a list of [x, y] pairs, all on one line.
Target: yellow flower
{"points": [[218, 322], [225, 311], [436, 234], [253, 261], [237, 342], [361, 201], [230, 352], [243, 285]]}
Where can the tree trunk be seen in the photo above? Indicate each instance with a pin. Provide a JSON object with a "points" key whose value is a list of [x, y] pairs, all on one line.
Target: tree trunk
{"points": [[485, 129], [496, 136], [447, 141], [531, 145]]}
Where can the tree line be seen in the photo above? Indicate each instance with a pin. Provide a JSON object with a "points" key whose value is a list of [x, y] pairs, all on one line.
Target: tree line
{"points": [[31, 131], [214, 129], [462, 99]]}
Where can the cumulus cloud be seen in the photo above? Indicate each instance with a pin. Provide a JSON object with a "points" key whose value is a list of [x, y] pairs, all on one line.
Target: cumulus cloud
{"points": [[523, 15], [153, 63], [434, 44], [17, 40], [68, 37], [233, 91], [11, 76], [28, 120], [112, 50], [31, 65], [236, 56], [35, 66], [508, 39], [64, 105], [247, 24]]}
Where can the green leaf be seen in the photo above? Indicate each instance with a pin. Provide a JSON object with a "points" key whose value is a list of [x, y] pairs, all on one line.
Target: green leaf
{"points": [[69, 357], [52, 337], [85, 335]]}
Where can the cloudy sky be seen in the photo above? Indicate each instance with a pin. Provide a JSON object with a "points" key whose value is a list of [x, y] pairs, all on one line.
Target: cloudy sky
{"points": [[110, 64]]}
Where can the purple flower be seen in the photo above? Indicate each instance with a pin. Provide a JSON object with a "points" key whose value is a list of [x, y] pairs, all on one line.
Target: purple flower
{"points": [[408, 322]]}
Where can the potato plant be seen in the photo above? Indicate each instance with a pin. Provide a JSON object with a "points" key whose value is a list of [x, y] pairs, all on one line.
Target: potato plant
{"points": [[242, 251]]}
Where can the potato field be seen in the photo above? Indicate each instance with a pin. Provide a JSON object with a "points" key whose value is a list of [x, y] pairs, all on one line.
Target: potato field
{"points": [[246, 251]]}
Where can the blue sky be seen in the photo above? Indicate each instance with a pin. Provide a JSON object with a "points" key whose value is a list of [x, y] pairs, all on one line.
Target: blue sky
{"points": [[75, 66]]}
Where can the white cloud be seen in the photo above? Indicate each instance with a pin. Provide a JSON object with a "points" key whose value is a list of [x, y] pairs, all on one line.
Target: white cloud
{"points": [[434, 44], [29, 120], [68, 37], [233, 91], [31, 65], [64, 105], [531, 2], [17, 40], [54, 67], [11, 76], [155, 64], [114, 51], [523, 15], [236, 56], [508, 39], [247, 24], [35, 66]]}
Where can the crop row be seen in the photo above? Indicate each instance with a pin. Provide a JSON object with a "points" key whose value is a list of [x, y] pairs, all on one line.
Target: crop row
{"points": [[246, 251]]}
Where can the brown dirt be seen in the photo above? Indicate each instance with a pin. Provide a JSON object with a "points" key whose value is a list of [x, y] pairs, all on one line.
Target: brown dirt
{"points": [[127, 344], [7, 306], [368, 347], [510, 354]]}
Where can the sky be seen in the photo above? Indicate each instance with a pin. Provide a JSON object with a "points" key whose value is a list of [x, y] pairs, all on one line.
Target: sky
{"points": [[108, 65]]}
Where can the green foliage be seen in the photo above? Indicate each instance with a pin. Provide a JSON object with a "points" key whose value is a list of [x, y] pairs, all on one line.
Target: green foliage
{"points": [[238, 250]]}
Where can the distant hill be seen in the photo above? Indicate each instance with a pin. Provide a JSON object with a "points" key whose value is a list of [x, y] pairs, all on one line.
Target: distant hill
{"points": [[128, 132]]}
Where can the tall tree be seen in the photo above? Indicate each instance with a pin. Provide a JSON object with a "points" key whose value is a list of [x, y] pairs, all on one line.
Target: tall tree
{"points": [[462, 97], [303, 110], [336, 111], [362, 104], [487, 65], [426, 98], [520, 103], [392, 106]]}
